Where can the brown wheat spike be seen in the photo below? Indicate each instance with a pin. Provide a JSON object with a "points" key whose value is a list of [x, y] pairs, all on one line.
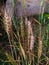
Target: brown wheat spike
{"points": [[8, 23], [30, 33]]}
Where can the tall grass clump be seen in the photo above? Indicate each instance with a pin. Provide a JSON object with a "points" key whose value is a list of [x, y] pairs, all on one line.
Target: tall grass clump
{"points": [[28, 39]]}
